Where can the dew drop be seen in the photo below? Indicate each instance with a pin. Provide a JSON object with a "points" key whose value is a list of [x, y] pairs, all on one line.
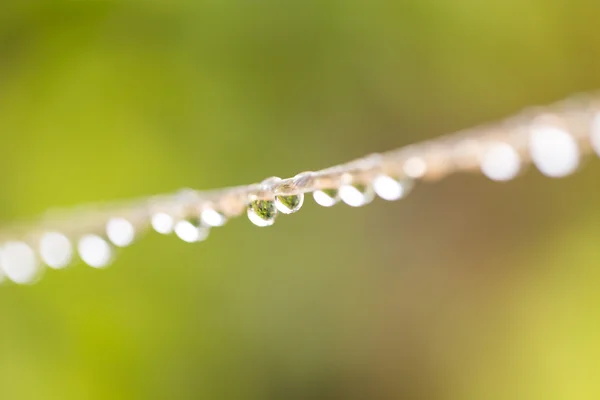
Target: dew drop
{"points": [[94, 251], [120, 232], [553, 151], [19, 262], [191, 231], [56, 250], [326, 197], [415, 167], [262, 212], [390, 189], [356, 194], [162, 223], [500, 162], [211, 217], [289, 204]]}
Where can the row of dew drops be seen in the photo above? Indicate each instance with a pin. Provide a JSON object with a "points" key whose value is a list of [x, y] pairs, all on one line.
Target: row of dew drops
{"points": [[553, 151]]}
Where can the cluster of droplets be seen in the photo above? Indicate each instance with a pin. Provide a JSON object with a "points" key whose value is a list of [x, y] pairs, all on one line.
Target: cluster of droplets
{"points": [[191, 229], [355, 193], [551, 148], [24, 261], [263, 211]]}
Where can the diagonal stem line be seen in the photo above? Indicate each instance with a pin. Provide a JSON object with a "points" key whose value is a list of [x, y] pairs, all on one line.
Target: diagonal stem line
{"points": [[428, 161]]}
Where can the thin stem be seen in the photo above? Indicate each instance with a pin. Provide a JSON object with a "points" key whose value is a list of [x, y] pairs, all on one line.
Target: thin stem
{"points": [[429, 161]]}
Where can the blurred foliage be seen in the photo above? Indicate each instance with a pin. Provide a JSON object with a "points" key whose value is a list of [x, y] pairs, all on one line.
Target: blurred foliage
{"points": [[466, 290]]}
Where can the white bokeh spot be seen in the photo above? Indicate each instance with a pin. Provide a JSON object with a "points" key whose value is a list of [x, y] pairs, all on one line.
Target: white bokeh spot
{"points": [[120, 232], [19, 262], [56, 250], [415, 167], [325, 200], [354, 197], [389, 188], [553, 151], [211, 217], [162, 223], [94, 251], [500, 162], [189, 232]]}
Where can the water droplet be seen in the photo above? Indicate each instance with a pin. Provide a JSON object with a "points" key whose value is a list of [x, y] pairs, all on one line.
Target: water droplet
{"points": [[390, 189], [162, 223], [120, 231], [94, 251], [211, 217], [191, 231], [326, 197], [56, 250], [553, 151], [289, 204], [19, 262], [262, 212], [356, 194], [415, 167], [500, 162]]}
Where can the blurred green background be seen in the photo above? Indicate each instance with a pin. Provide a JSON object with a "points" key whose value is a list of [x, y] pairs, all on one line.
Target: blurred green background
{"points": [[467, 289]]}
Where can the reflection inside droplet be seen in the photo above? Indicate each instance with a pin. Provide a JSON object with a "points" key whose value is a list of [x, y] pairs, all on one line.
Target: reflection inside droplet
{"points": [[326, 197], [162, 223], [190, 232], [56, 250], [500, 162], [19, 262], [120, 231], [94, 251], [289, 204], [356, 194], [554, 152], [391, 189], [262, 212], [211, 217]]}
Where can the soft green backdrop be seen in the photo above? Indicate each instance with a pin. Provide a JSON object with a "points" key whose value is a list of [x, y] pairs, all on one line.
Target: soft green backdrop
{"points": [[466, 290]]}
